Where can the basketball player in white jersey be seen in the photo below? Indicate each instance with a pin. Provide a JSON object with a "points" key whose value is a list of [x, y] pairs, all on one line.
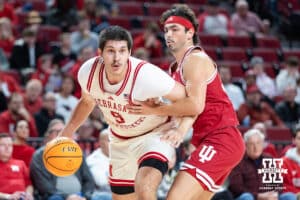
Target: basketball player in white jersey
{"points": [[138, 158]]}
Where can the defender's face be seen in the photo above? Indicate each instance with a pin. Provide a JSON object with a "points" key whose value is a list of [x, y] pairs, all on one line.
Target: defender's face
{"points": [[115, 57], [175, 36]]}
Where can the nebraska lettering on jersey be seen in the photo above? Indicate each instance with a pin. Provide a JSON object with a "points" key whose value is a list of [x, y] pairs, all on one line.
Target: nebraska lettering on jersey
{"points": [[114, 104], [106, 103]]}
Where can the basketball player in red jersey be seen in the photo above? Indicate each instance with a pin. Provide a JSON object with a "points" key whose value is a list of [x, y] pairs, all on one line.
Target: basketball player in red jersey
{"points": [[218, 145], [138, 158]]}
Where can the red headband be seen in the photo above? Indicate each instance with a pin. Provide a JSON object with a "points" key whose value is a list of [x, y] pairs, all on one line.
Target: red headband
{"points": [[179, 20]]}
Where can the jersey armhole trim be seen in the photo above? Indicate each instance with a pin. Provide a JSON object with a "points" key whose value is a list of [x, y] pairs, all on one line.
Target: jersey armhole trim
{"points": [[136, 71], [91, 75]]}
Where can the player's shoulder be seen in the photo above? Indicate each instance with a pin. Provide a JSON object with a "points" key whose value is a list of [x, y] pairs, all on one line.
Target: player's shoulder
{"points": [[136, 61], [87, 66]]}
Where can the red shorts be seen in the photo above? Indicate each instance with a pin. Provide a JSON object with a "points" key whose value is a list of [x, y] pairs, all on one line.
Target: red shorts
{"points": [[215, 157]]}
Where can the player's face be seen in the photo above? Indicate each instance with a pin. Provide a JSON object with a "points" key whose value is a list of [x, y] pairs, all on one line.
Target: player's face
{"points": [[254, 146], [176, 36], [115, 57]]}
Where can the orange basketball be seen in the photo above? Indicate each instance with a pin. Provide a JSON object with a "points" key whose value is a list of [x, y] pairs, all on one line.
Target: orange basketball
{"points": [[62, 156]]}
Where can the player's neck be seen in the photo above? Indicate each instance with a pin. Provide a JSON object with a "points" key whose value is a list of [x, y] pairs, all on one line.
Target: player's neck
{"points": [[179, 54]]}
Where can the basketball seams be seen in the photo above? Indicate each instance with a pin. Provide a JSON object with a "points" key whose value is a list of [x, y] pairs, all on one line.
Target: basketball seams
{"points": [[54, 149]]}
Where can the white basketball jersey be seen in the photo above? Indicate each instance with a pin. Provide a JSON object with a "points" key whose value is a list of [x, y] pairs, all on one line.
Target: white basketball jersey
{"points": [[93, 80]]}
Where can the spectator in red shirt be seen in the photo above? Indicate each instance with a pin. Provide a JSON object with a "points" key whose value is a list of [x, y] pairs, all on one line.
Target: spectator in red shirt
{"points": [[32, 96], [269, 148], [15, 183], [44, 69], [8, 84], [21, 149], [148, 39], [6, 10], [15, 112], [7, 38], [255, 110]]}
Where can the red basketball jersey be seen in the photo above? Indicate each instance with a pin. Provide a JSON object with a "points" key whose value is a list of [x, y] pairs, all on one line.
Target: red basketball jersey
{"points": [[218, 112]]}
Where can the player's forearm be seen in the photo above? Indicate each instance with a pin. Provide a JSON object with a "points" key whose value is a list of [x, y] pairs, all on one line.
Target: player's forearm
{"points": [[183, 107], [186, 123], [79, 115]]}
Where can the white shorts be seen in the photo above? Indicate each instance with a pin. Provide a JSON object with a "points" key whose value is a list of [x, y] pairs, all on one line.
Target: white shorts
{"points": [[127, 154]]}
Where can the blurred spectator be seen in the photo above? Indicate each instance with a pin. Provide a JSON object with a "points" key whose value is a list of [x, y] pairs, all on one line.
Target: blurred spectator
{"points": [[44, 69], [84, 135], [78, 186], [7, 38], [21, 150], [246, 22], [264, 82], [233, 91], [288, 110], [245, 183], [211, 21], [98, 163], [109, 5], [15, 112], [63, 15], [33, 21], [85, 54], [269, 148], [65, 101], [32, 96], [98, 122], [64, 58], [289, 75], [25, 53], [255, 110], [8, 85], [93, 12], [142, 53], [291, 162], [250, 79], [54, 81], [103, 23], [15, 182], [84, 37], [47, 113], [6, 10], [148, 40]]}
